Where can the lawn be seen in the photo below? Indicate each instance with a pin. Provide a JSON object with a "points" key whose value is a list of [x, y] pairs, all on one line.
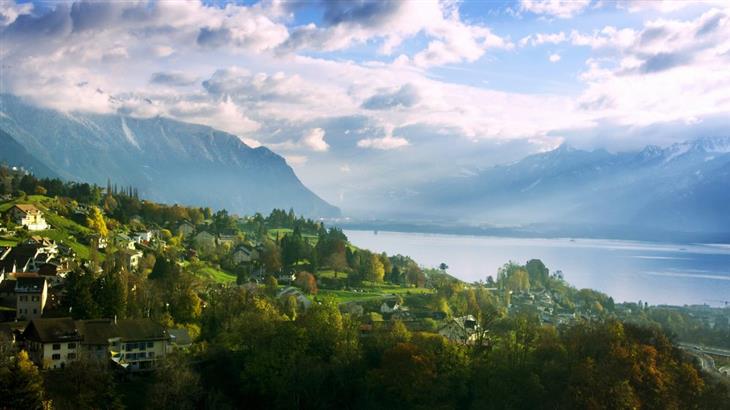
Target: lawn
{"points": [[212, 274]]}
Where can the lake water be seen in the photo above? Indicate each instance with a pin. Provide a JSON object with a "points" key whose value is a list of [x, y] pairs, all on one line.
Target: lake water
{"points": [[658, 273]]}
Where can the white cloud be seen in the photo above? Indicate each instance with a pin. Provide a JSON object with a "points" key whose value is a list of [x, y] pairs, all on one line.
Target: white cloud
{"points": [[386, 143], [555, 8], [10, 10], [554, 58], [296, 160], [314, 140]]}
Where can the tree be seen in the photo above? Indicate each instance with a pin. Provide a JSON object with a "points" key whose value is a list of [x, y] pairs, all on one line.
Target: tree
{"points": [[271, 256], [21, 385], [271, 285], [175, 385], [337, 261], [96, 222], [307, 282], [378, 270], [86, 383]]}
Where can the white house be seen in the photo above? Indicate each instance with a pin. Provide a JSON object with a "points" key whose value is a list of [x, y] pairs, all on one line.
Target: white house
{"points": [[31, 293], [28, 216], [463, 329], [142, 237], [390, 306], [52, 343]]}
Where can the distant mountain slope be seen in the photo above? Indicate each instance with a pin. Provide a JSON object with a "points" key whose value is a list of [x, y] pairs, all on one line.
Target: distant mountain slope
{"points": [[684, 187], [13, 154], [166, 160]]}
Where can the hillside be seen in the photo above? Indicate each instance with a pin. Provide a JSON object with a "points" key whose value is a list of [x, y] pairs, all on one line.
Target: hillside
{"points": [[13, 154], [167, 160]]}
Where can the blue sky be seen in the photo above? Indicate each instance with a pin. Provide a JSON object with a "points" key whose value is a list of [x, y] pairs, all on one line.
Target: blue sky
{"points": [[367, 99]]}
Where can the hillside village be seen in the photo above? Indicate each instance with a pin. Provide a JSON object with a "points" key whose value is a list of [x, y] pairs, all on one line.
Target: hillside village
{"points": [[97, 275]]}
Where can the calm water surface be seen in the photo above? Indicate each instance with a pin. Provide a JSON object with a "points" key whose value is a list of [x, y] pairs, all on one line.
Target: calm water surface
{"points": [[658, 273]]}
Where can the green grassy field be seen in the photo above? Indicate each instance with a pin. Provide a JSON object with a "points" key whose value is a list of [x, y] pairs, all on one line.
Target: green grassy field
{"points": [[210, 273]]}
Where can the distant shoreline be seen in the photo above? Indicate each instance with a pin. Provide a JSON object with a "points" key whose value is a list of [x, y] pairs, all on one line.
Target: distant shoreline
{"points": [[544, 232]]}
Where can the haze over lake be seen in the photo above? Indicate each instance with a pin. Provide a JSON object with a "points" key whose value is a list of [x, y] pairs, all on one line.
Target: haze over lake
{"points": [[658, 273]]}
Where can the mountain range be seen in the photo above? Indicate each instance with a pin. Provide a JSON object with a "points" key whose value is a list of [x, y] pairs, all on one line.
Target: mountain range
{"points": [[166, 160], [684, 187]]}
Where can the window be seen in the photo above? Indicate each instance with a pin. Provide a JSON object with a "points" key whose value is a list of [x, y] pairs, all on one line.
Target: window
{"points": [[35, 311], [72, 345], [56, 346], [56, 356], [71, 356], [151, 354], [132, 356], [150, 345]]}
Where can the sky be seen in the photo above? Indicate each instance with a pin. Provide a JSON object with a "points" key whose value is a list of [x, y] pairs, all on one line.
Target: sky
{"points": [[367, 99]]}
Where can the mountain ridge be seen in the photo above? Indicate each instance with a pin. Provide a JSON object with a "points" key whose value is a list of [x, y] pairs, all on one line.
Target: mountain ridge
{"points": [[680, 187], [167, 160]]}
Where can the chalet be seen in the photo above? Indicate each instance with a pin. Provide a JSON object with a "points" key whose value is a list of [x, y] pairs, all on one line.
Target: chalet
{"points": [[124, 242], [131, 258], [52, 343], [29, 256], [134, 344], [390, 306], [29, 216], [224, 239], [142, 237], [142, 342], [31, 293], [185, 229], [244, 254], [303, 302], [204, 240], [463, 330]]}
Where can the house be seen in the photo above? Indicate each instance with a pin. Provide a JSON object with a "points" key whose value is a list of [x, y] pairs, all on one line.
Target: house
{"points": [[463, 330], [185, 229], [204, 240], [131, 258], [31, 293], [28, 216], [52, 343], [179, 339], [389, 306], [142, 237], [142, 342], [225, 239], [244, 254], [134, 344], [303, 302], [29, 256], [124, 242]]}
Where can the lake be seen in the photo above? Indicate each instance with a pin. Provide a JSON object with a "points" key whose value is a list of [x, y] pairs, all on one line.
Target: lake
{"points": [[658, 273]]}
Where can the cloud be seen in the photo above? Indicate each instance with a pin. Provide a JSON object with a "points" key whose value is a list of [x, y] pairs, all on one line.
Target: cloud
{"points": [[555, 8], [10, 10], [314, 140], [542, 38], [554, 58], [296, 160], [391, 22], [385, 143], [406, 96], [173, 78]]}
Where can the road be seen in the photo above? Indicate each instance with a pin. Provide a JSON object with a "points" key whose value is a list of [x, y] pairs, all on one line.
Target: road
{"points": [[703, 354]]}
